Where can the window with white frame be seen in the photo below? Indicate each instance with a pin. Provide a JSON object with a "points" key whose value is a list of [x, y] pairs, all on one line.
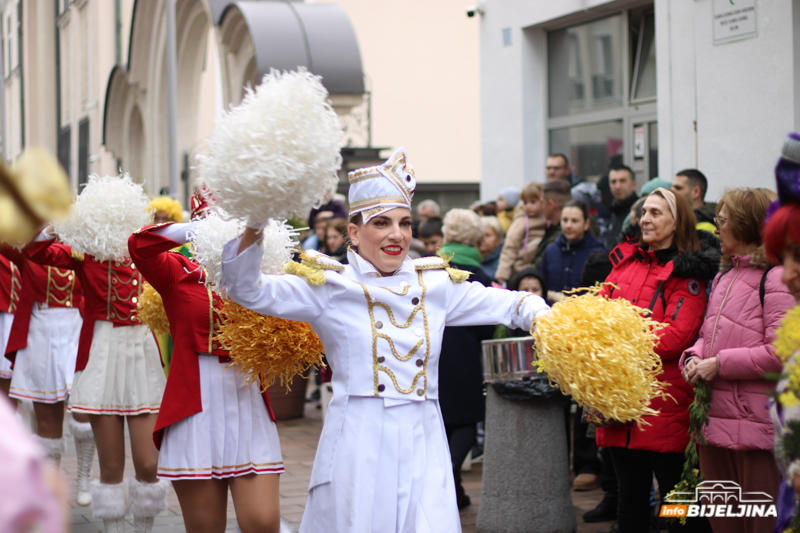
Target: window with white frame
{"points": [[602, 82]]}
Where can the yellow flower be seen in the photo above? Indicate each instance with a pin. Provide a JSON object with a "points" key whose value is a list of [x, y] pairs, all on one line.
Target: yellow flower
{"points": [[788, 399]]}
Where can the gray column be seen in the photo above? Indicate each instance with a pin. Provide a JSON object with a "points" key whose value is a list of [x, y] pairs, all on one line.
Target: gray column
{"points": [[525, 468]]}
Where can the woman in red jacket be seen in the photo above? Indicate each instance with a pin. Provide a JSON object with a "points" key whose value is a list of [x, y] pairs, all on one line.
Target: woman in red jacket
{"points": [[118, 376], [666, 269], [214, 432]]}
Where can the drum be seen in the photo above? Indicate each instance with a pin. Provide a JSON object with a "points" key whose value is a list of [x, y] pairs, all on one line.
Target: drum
{"points": [[509, 359]]}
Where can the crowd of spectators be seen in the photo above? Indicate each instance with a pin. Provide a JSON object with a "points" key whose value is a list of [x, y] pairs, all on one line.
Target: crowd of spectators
{"points": [[700, 267]]}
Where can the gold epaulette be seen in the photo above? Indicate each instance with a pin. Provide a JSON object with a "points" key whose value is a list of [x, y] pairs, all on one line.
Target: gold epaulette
{"points": [[440, 263], [312, 266], [76, 255]]}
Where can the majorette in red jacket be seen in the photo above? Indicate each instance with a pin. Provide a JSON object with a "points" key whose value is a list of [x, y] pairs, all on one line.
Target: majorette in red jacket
{"points": [[55, 287], [111, 289], [673, 286], [193, 312]]}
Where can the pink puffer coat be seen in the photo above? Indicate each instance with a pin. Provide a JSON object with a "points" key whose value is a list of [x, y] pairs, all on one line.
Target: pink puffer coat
{"points": [[740, 332]]}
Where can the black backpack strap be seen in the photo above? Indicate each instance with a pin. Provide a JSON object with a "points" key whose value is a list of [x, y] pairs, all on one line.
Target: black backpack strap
{"points": [[762, 287]]}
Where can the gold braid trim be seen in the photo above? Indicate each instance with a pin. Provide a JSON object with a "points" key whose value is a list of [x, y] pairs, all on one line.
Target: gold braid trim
{"points": [[519, 304], [394, 350], [456, 274], [409, 390], [312, 270]]}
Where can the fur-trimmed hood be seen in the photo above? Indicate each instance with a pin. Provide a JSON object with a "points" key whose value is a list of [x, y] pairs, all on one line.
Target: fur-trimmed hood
{"points": [[701, 264], [758, 259]]}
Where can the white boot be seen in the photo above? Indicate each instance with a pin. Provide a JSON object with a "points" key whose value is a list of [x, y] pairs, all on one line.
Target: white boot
{"points": [[84, 447], [147, 500], [110, 503], [53, 448]]}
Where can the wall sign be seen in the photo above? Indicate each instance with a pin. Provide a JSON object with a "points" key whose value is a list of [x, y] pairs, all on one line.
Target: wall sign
{"points": [[734, 19]]}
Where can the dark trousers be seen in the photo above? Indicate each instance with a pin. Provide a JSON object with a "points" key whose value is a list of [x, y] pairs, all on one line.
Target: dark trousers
{"points": [[460, 438], [635, 469], [608, 477]]}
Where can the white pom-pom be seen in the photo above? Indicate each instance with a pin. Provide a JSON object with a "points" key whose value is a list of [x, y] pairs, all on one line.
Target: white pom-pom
{"points": [[277, 154], [208, 236], [104, 215], [278, 243]]}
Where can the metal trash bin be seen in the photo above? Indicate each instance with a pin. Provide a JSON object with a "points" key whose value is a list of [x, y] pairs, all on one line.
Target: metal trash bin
{"points": [[525, 459]]}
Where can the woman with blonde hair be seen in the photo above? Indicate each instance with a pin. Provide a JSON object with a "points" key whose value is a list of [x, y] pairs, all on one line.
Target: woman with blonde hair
{"points": [[735, 350], [664, 268]]}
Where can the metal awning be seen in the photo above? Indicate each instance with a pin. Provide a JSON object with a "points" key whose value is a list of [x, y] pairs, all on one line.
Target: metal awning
{"points": [[287, 35]]}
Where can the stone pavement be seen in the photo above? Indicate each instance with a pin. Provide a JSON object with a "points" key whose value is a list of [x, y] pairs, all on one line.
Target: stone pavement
{"points": [[298, 443]]}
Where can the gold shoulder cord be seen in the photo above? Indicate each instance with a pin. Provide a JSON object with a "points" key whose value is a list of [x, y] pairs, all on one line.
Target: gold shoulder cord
{"points": [[376, 367], [16, 285]]}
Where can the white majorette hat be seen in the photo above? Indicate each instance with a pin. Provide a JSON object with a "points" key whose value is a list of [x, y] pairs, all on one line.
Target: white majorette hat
{"points": [[376, 190]]}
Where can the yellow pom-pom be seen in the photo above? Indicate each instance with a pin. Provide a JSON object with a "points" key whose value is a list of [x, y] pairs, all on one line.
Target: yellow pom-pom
{"points": [[76, 255], [171, 207], [601, 352], [315, 276], [267, 348], [151, 310]]}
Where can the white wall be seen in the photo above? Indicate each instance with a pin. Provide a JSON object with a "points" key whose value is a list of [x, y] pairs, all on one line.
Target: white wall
{"points": [[742, 95]]}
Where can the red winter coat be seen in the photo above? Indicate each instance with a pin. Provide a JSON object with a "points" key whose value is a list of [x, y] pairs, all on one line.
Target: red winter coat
{"points": [[673, 286]]}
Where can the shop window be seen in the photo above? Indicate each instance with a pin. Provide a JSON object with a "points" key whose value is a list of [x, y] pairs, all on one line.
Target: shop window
{"points": [[602, 87]]}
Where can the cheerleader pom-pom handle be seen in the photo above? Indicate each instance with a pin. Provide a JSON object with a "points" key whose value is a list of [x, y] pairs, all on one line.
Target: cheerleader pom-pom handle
{"points": [[602, 353]]}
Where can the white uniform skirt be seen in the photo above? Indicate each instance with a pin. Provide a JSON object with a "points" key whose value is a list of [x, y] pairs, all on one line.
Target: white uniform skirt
{"points": [[6, 320], [124, 374], [232, 436], [390, 470], [44, 369]]}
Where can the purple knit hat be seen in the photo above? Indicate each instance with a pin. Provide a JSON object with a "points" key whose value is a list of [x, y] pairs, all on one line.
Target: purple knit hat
{"points": [[787, 174]]}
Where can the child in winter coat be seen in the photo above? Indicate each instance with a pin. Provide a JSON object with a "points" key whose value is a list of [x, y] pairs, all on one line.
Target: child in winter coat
{"points": [[563, 259], [524, 234]]}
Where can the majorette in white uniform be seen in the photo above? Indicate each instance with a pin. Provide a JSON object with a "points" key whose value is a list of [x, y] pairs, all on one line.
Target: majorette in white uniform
{"points": [[382, 462]]}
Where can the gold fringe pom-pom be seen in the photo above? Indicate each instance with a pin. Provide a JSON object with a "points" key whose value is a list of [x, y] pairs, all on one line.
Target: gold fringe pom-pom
{"points": [[313, 275], [266, 348], [151, 310], [457, 275], [77, 256], [601, 352]]}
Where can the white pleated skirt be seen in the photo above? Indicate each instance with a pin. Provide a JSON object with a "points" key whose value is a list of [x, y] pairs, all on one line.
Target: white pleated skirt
{"points": [[6, 319], [232, 436], [123, 376], [44, 369], [390, 470]]}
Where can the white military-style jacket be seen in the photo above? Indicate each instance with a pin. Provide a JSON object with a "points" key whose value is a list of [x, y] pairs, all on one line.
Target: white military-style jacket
{"points": [[382, 335]]}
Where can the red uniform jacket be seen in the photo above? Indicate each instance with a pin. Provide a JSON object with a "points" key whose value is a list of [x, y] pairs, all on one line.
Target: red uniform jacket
{"points": [[111, 289], [673, 286], [10, 285], [193, 312], [55, 287]]}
